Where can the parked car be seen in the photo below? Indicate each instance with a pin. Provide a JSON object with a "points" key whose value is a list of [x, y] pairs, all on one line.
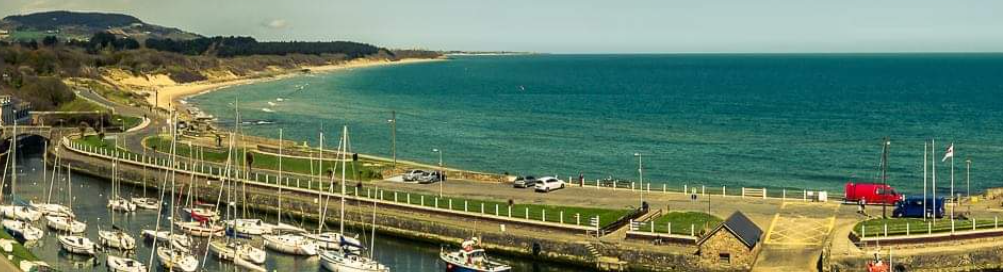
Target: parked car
{"points": [[414, 174], [524, 182], [430, 177], [871, 193], [913, 207], [547, 184]]}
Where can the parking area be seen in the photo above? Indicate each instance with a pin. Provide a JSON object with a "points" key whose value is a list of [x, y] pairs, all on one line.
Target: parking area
{"points": [[801, 224]]}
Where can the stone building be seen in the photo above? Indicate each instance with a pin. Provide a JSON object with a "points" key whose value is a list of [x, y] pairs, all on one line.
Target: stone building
{"points": [[733, 243]]}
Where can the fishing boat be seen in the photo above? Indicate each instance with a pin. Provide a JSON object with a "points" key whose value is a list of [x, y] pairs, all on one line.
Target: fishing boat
{"points": [[52, 209], [176, 260], [120, 264], [22, 213], [65, 224], [145, 203], [471, 258], [22, 230], [116, 239], [289, 243], [338, 261], [77, 244], [229, 250], [249, 226], [200, 229], [176, 240]]}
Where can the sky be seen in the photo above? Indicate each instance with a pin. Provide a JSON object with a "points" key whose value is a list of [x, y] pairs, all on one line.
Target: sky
{"points": [[583, 26]]}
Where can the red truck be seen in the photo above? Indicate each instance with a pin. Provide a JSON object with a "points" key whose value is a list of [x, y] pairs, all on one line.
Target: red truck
{"points": [[871, 193]]}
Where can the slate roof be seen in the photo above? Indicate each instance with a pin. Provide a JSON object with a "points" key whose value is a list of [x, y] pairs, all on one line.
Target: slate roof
{"points": [[741, 227]]}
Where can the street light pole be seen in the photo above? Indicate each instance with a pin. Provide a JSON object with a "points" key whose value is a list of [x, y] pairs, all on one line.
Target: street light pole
{"points": [[640, 175], [393, 135], [442, 173]]}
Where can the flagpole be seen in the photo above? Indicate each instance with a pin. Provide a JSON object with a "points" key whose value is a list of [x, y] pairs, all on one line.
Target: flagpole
{"points": [[933, 189], [953, 203], [925, 147]]}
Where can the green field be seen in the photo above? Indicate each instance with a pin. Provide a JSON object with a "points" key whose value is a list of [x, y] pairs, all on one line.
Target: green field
{"points": [[271, 162], [898, 226], [681, 223]]}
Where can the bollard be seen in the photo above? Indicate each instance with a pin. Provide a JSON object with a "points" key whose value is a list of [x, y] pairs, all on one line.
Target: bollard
{"points": [[482, 207], [527, 212], [692, 230], [578, 219], [510, 211], [724, 190], [743, 192], [395, 196], [496, 210], [764, 193], [929, 227], [907, 228], [886, 229], [973, 223], [631, 186], [669, 227], [663, 188], [952, 226], [863, 231], [783, 196], [544, 215], [465, 206], [996, 222], [450, 203], [652, 225], [648, 187], [437, 202], [422, 200], [685, 189], [804, 197], [703, 190], [561, 216]]}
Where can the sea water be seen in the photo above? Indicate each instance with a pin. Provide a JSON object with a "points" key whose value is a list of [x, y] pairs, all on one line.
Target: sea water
{"points": [[807, 121]]}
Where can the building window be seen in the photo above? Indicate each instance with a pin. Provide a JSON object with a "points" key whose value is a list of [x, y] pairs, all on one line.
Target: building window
{"points": [[724, 258]]}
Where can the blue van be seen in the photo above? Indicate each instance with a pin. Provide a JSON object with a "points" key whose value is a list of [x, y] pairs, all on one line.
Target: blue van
{"points": [[913, 207]]}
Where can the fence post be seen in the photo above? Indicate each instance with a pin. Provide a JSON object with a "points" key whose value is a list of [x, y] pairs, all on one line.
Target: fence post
{"points": [[652, 225], [929, 227], [804, 196], [578, 219], [510, 211], [663, 188], [631, 186], [886, 229], [703, 190], [685, 189], [422, 200], [496, 209], [562, 216], [527, 212], [952, 226], [436, 202], [692, 230], [783, 196], [743, 192], [482, 207], [974, 223], [907, 228], [669, 227], [764, 193], [465, 206], [544, 216], [648, 187], [395, 196]]}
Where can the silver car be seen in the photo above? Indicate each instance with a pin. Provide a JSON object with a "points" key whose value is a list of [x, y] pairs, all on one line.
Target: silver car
{"points": [[414, 174]]}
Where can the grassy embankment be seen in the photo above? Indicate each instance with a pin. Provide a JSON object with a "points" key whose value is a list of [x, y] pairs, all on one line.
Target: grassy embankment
{"points": [[20, 252], [681, 223], [519, 210], [898, 226], [118, 121]]}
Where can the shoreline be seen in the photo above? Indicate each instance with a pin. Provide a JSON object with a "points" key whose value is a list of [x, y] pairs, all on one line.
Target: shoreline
{"points": [[168, 96]]}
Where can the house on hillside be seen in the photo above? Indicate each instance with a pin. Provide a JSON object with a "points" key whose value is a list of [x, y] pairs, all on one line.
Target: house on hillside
{"points": [[733, 243]]}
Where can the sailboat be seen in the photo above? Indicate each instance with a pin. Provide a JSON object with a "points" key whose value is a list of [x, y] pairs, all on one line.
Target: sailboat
{"points": [[49, 208], [77, 244], [121, 264], [13, 211], [144, 202], [287, 238], [116, 202], [116, 238], [240, 253], [18, 228], [346, 259], [65, 223], [172, 257], [176, 240], [330, 240]]}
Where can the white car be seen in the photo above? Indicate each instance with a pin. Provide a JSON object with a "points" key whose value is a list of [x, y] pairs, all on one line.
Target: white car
{"points": [[546, 184]]}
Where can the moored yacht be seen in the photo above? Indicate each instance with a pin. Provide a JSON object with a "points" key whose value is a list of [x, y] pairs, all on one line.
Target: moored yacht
{"points": [[120, 264], [116, 239], [65, 224], [20, 213], [471, 258], [77, 244], [176, 260], [22, 230], [290, 244]]}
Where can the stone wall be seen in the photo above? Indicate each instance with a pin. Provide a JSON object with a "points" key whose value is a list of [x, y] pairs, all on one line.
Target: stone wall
{"points": [[723, 242]]}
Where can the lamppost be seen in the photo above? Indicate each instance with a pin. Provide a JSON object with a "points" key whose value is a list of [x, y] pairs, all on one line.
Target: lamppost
{"points": [[442, 173], [640, 175], [393, 135], [968, 179]]}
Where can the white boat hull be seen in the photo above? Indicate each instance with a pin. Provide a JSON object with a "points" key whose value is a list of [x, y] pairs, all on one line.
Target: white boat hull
{"points": [[53, 209], [146, 203], [118, 264], [199, 230], [178, 241], [175, 260], [65, 224], [290, 244], [77, 245], [121, 205], [20, 213], [22, 229], [117, 239], [341, 262]]}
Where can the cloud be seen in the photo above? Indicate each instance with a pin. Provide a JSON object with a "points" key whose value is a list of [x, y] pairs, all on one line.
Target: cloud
{"points": [[276, 24]]}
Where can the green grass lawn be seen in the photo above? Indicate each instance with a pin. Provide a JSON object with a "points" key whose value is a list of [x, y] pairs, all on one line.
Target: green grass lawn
{"points": [[125, 122], [20, 252], [271, 162], [897, 226], [681, 222]]}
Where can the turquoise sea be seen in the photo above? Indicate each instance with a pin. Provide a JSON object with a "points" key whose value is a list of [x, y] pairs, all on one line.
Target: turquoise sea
{"points": [[781, 121]]}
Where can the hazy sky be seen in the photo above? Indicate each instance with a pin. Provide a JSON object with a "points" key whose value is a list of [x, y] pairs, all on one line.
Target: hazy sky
{"points": [[583, 26]]}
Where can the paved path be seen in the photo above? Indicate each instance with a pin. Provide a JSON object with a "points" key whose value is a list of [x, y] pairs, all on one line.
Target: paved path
{"points": [[795, 236]]}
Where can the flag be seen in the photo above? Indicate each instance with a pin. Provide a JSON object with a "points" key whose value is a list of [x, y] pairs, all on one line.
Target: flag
{"points": [[949, 153]]}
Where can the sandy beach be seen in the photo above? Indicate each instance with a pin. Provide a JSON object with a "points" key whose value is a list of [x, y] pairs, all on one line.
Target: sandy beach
{"points": [[165, 93]]}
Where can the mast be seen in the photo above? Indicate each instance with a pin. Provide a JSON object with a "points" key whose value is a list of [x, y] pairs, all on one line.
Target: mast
{"points": [[344, 142], [925, 147], [280, 176], [884, 174], [372, 241], [13, 180], [69, 182], [320, 179], [933, 160], [52, 180], [951, 197], [45, 160]]}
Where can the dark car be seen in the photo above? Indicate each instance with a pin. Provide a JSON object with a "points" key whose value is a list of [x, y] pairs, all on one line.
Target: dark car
{"points": [[914, 207], [524, 182]]}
